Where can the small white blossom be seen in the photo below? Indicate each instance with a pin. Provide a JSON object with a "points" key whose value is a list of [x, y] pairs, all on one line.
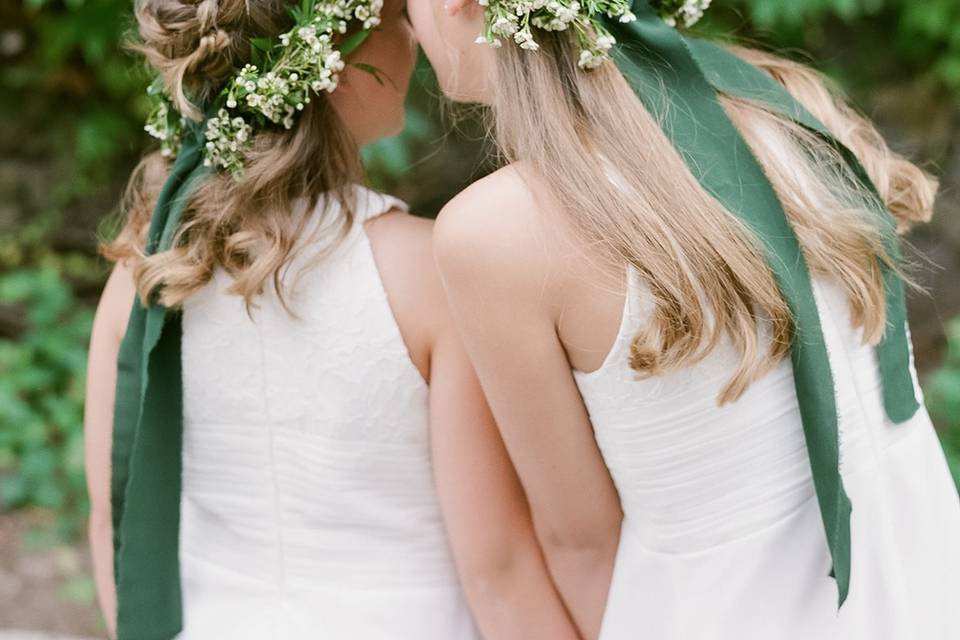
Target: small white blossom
{"points": [[164, 125], [505, 26], [525, 39]]}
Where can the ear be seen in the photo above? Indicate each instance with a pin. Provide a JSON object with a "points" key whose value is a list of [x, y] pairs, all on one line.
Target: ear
{"points": [[453, 7]]}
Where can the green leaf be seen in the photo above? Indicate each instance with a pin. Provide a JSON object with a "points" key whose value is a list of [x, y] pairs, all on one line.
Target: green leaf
{"points": [[260, 49], [372, 70], [263, 44], [352, 42]]}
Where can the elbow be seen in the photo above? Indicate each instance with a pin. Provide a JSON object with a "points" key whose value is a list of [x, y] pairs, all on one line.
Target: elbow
{"points": [[491, 573], [576, 546]]}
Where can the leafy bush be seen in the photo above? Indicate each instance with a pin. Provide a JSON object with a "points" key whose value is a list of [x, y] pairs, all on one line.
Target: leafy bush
{"points": [[923, 38], [41, 397]]}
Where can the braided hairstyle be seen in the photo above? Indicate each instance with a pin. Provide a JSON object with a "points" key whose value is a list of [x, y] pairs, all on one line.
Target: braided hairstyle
{"points": [[195, 46], [250, 227]]}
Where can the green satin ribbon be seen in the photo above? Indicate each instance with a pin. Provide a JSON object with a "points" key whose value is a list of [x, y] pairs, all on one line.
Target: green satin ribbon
{"points": [[147, 435], [679, 79]]}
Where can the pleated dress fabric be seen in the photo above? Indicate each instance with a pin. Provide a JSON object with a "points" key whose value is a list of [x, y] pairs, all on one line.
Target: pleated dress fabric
{"points": [[722, 538], [308, 506]]}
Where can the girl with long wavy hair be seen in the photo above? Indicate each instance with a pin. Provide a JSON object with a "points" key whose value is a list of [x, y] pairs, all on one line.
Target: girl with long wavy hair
{"points": [[683, 296]]}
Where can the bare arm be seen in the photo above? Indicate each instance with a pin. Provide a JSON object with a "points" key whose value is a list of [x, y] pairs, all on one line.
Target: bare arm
{"points": [[487, 517], [488, 522], [501, 285], [109, 326]]}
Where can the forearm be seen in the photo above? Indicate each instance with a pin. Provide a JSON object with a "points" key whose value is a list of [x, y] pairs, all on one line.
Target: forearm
{"points": [[487, 518], [101, 549], [582, 574]]}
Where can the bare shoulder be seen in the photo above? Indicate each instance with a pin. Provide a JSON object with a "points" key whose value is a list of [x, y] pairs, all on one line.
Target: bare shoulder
{"points": [[494, 214], [402, 250], [402, 247], [501, 232]]}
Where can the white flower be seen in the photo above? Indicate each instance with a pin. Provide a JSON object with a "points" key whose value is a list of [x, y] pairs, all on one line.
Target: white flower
{"points": [[591, 59], [333, 61], [505, 26], [525, 39]]}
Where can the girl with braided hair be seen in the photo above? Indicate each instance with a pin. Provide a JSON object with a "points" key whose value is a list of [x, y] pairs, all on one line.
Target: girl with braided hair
{"points": [[285, 439]]}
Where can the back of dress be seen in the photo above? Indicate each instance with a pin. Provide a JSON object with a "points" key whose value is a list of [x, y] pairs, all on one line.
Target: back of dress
{"points": [[722, 536], [308, 506]]}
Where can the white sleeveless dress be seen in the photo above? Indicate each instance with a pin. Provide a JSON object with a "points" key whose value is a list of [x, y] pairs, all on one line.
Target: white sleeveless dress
{"points": [[308, 508], [722, 538]]}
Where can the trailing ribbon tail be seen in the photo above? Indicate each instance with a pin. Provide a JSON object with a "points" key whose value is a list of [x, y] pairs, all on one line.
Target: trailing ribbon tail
{"points": [[147, 436], [736, 77], [668, 79]]}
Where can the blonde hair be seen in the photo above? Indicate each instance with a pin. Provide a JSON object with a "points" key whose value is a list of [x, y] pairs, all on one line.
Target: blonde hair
{"points": [[251, 227], [704, 269]]}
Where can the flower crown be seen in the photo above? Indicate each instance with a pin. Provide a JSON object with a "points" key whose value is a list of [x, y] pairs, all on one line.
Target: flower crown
{"points": [[278, 82], [516, 18]]}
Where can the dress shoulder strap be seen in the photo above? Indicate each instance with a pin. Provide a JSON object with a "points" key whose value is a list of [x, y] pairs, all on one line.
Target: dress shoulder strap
{"points": [[368, 204]]}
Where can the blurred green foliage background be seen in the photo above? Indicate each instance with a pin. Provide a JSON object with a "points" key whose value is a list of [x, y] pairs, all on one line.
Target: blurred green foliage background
{"points": [[71, 111]]}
